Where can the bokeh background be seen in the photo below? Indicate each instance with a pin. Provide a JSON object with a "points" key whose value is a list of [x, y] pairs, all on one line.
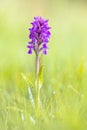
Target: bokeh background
{"points": [[67, 18], [66, 61]]}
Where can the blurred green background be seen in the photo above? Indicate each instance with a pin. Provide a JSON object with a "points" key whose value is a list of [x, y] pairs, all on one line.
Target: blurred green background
{"points": [[65, 64], [68, 19]]}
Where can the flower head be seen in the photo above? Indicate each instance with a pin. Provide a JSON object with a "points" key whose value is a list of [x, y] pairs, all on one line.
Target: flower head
{"points": [[39, 35]]}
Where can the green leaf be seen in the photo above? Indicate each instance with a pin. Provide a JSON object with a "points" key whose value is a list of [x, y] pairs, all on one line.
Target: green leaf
{"points": [[40, 76], [27, 79]]}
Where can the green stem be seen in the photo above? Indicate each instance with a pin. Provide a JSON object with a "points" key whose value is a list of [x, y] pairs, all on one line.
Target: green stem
{"points": [[37, 64], [37, 85]]}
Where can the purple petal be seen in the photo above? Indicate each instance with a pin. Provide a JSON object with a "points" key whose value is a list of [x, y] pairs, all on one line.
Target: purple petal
{"points": [[30, 51], [45, 46], [31, 47], [44, 52]]}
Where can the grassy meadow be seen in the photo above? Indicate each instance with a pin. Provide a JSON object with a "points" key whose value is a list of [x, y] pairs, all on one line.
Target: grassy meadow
{"points": [[64, 90]]}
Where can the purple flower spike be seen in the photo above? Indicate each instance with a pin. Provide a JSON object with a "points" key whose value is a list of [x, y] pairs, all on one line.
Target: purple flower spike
{"points": [[39, 35]]}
